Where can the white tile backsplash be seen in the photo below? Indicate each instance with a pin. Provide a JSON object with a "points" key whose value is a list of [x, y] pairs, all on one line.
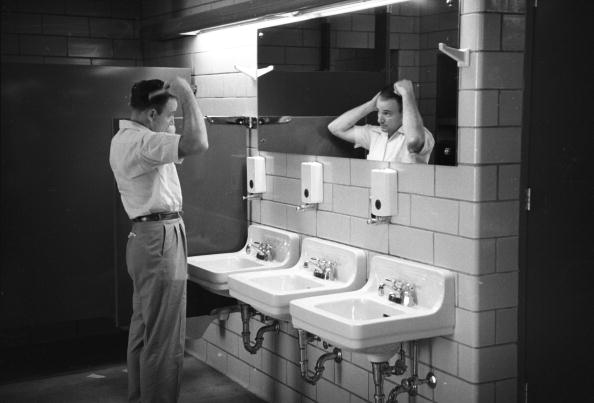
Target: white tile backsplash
{"points": [[330, 393], [506, 391], [369, 236], [471, 256], [488, 364], [402, 216], [489, 219], [489, 145], [506, 326], [303, 221], [453, 389], [434, 214], [216, 358], [509, 182], [411, 243], [274, 214], [286, 190], [466, 182], [444, 354], [480, 32], [352, 378], [336, 227], [327, 203], [491, 291], [350, 200], [478, 108], [507, 254], [475, 329]]}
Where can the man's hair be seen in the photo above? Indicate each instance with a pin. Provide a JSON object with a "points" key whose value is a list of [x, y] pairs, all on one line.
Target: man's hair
{"points": [[149, 94], [388, 93]]}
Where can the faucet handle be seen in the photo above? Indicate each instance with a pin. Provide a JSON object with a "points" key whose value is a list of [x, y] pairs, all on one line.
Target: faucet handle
{"points": [[408, 295], [311, 262], [380, 288]]}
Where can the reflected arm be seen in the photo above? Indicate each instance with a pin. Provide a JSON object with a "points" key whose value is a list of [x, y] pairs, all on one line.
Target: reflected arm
{"points": [[412, 122], [343, 125]]}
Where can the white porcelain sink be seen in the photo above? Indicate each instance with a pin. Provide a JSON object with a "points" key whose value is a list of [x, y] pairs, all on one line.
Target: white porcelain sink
{"points": [[212, 271], [369, 323], [270, 291]]}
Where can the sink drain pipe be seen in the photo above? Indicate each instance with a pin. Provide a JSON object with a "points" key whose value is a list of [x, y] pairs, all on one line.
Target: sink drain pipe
{"points": [[246, 314], [411, 384], [382, 370], [335, 355]]}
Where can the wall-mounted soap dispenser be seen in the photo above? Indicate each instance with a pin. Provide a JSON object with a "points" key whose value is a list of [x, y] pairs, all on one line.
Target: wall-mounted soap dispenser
{"points": [[256, 177], [312, 185], [383, 199]]}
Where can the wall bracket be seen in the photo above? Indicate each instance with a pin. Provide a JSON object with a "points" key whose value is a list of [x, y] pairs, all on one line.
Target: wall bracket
{"points": [[253, 73], [462, 56]]}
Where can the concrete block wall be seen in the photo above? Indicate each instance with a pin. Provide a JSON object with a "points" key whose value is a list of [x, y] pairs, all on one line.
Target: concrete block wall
{"points": [[98, 32], [462, 218]]}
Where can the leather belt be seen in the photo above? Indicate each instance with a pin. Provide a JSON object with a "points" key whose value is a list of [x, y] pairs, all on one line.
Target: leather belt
{"points": [[157, 217]]}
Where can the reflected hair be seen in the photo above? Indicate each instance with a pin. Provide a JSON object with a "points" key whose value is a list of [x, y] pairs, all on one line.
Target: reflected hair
{"points": [[147, 94], [388, 93]]}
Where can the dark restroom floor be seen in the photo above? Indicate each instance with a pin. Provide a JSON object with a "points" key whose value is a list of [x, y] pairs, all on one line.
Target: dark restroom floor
{"points": [[200, 383], [93, 370]]}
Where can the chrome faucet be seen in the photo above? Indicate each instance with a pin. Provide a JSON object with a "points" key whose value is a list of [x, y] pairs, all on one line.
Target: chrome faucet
{"points": [[322, 268], [263, 250], [402, 293]]}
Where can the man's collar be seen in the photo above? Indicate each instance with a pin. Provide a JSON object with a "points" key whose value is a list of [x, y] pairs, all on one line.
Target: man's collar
{"points": [[131, 124], [395, 134]]}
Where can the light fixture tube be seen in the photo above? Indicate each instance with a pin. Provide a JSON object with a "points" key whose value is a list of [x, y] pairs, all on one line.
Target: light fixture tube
{"points": [[296, 16]]}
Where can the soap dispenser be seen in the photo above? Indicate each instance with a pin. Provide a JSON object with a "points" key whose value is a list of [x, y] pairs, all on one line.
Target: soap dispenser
{"points": [[383, 200], [312, 185], [256, 177]]}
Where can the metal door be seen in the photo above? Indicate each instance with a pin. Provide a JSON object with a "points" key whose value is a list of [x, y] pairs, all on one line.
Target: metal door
{"points": [[557, 258]]}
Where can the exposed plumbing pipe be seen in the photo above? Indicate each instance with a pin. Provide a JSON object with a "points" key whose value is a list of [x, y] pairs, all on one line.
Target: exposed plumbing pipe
{"points": [[411, 384], [335, 355], [246, 314], [223, 313], [378, 369], [384, 369]]}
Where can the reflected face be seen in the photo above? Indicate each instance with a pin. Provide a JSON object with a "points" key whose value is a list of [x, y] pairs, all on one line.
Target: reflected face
{"points": [[388, 116], [161, 122]]}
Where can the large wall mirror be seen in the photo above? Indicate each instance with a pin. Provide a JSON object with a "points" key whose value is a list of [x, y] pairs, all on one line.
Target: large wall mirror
{"points": [[326, 66]]}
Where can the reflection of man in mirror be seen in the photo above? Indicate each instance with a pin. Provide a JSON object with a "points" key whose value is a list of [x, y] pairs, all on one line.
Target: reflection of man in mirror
{"points": [[400, 136]]}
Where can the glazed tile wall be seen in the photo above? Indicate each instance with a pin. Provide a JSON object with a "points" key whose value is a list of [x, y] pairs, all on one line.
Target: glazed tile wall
{"points": [[463, 218], [101, 32]]}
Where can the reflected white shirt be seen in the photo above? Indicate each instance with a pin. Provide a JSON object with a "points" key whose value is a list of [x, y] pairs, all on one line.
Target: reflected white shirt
{"points": [[380, 148], [142, 163]]}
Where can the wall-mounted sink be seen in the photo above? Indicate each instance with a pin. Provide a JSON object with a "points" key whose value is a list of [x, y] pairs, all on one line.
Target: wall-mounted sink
{"points": [[337, 268], [416, 302], [266, 248]]}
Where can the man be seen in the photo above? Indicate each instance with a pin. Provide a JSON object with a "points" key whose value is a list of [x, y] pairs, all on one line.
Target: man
{"points": [[142, 157], [400, 137]]}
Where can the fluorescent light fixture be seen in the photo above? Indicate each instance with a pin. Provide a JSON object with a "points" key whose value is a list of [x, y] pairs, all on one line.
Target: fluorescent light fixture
{"points": [[302, 15], [190, 33]]}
